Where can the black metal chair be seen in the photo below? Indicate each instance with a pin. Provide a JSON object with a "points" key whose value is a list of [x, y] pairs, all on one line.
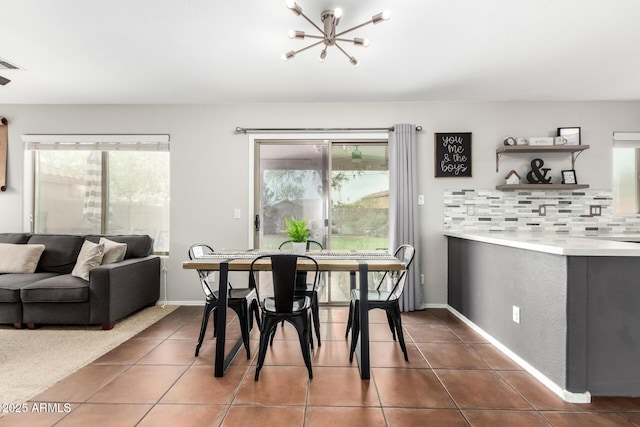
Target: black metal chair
{"points": [[303, 287], [244, 301], [385, 296], [284, 305]]}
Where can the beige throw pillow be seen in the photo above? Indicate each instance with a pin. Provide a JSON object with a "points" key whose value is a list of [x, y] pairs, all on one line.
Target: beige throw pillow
{"points": [[89, 258], [113, 251], [15, 258]]}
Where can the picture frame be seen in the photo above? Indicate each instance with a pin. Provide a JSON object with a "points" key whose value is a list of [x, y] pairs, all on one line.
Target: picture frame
{"points": [[571, 135], [452, 155], [569, 176]]}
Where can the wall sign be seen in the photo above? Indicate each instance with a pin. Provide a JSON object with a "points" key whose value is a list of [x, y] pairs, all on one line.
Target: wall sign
{"points": [[453, 155]]}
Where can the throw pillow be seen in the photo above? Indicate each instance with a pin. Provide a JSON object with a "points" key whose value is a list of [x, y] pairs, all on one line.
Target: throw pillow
{"points": [[17, 258], [113, 251], [90, 257]]}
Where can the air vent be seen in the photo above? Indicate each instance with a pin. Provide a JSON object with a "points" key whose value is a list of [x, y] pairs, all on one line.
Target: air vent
{"points": [[6, 65]]}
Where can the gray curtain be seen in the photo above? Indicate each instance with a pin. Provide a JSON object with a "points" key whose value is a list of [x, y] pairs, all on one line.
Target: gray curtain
{"points": [[403, 207]]}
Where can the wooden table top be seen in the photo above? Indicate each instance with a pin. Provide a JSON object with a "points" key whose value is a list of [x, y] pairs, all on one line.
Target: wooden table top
{"points": [[327, 261]]}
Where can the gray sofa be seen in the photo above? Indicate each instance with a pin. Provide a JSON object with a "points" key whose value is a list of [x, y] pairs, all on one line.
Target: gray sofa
{"points": [[51, 295]]}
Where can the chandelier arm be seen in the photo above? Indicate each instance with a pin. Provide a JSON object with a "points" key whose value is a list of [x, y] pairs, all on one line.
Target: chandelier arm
{"points": [[345, 40], [354, 28], [313, 23], [313, 36], [308, 47], [342, 50]]}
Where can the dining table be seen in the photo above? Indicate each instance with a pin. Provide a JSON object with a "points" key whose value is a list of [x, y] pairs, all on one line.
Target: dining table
{"points": [[351, 261]]}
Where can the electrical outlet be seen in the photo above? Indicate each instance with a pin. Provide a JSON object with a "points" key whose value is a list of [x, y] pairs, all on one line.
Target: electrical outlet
{"points": [[236, 213], [421, 199], [516, 314], [542, 210], [422, 279], [471, 210], [595, 210]]}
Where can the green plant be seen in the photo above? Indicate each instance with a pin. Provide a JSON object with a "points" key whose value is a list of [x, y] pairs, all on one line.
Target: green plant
{"points": [[297, 229]]}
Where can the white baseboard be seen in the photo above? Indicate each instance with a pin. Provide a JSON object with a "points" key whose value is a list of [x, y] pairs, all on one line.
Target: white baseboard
{"points": [[425, 306], [200, 302], [565, 395]]}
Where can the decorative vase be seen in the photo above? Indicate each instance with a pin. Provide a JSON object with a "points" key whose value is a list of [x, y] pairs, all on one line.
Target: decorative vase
{"points": [[299, 248]]}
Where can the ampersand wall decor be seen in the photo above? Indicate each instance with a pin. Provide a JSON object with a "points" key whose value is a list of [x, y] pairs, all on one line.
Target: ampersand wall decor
{"points": [[538, 174]]}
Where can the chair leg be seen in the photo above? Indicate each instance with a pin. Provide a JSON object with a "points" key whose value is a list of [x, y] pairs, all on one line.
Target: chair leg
{"points": [[256, 312], [391, 324], [355, 329], [208, 308], [315, 311], [243, 316], [349, 320], [268, 323], [273, 334], [398, 322], [303, 326]]}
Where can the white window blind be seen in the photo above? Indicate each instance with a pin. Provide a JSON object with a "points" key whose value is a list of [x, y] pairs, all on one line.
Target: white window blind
{"points": [[109, 142], [626, 139]]}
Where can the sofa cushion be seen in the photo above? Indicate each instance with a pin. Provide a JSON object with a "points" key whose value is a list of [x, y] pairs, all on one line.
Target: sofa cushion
{"points": [[14, 238], [90, 257], [138, 245], [60, 252], [113, 251], [61, 288], [10, 284], [16, 258]]}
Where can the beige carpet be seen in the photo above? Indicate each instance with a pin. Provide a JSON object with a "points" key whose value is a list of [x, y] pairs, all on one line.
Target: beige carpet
{"points": [[31, 361]]}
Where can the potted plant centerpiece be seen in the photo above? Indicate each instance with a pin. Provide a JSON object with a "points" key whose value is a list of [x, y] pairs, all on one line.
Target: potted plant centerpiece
{"points": [[298, 233]]}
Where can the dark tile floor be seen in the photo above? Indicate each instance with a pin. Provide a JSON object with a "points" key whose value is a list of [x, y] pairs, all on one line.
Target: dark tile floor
{"points": [[453, 378]]}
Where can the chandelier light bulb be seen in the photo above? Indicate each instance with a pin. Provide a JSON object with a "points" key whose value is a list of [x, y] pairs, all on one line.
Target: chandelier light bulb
{"points": [[337, 12], [361, 42], [294, 34], [354, 61], [291, 4], [323, 55], [382, 16], [288, 55]]}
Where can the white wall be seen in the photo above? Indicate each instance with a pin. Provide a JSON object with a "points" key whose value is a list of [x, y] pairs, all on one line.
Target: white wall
{"points": [[209, 164]]}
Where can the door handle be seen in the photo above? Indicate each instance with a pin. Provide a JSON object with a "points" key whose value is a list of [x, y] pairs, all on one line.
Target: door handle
{"points": [[256, 223]]}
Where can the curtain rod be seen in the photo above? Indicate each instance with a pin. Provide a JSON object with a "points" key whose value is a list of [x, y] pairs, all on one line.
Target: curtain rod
{"points": [[268, 130]]}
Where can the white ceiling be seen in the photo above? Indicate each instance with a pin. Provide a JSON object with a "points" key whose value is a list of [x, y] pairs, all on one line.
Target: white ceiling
{"points": [[206, 51]]}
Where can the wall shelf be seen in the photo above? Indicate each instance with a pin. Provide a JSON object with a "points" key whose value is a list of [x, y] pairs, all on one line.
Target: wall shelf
{"points": [[541, 186], [575, 151]]}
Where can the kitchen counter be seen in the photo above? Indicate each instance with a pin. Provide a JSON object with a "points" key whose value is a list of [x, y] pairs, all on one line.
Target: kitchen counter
{"points": [[571, 245], [576, 300]]}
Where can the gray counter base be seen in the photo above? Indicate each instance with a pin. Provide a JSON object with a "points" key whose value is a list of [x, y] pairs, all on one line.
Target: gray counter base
{"points": [[580, 316]]}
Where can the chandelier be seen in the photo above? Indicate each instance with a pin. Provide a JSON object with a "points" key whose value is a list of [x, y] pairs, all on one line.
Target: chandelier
{"points": [[329, 36]]}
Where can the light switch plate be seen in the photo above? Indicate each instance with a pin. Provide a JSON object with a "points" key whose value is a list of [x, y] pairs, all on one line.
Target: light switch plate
{"points": [[421, 199], [236, 213]]}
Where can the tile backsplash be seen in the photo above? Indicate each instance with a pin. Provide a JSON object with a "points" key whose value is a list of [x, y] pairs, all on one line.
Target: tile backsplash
{"points": [[573, 212]]}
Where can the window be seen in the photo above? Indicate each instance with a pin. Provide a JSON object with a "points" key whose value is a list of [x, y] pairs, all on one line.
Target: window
{"points": [[626, 172], [94, 184]]}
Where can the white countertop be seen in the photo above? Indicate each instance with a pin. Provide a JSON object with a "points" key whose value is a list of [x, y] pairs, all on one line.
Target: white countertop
{"points": [[597, 245]]}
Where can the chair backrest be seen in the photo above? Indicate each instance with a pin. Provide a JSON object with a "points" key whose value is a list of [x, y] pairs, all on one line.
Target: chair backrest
{"points": [[284, 269], [394, 280], [199, 250], [301, 277], [196, 251], [311, 245]]}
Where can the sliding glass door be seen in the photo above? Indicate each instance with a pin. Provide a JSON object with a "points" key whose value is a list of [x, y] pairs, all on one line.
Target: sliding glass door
{"points": [[341, 187]]}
